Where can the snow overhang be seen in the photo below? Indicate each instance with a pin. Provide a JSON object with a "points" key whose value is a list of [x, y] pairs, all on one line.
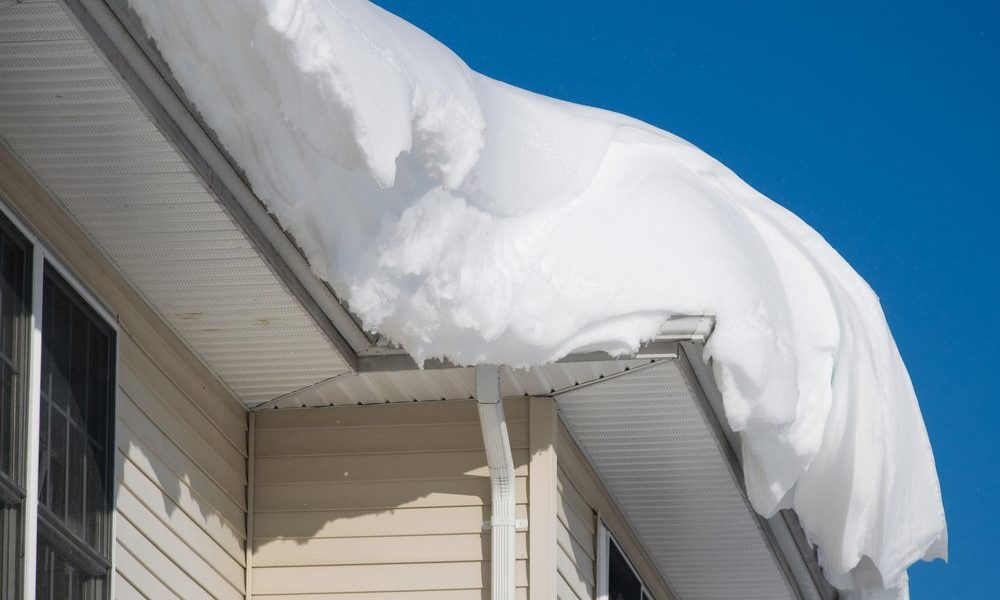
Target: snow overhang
{"points": [[91, 118], [139, 170], [119, 34], [116, 32]]}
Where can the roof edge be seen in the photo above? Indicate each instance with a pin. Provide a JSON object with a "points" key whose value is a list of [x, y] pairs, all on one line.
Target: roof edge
{"points": [[678, 328], [787, 539], [118, 34]]}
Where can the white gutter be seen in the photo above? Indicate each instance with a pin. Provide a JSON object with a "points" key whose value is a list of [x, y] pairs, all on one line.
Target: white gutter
{"points": [[503, 520]]}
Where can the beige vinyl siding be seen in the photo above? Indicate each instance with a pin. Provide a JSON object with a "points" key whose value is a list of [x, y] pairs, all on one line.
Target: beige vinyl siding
{"points": [[576, 538], [180, 466], [181, 493], [379, 501]]}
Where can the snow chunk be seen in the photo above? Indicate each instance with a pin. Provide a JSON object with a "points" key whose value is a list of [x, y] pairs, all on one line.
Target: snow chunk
{"points": [[470, 219]]}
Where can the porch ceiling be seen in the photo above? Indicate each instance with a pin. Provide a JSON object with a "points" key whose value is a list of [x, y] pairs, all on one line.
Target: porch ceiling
{"points": [[67, 116]]}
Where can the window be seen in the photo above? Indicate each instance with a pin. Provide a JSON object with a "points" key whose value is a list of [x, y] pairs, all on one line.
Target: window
{"points": [[74, 461], [56, 485], [616, 578], [15, 264]]}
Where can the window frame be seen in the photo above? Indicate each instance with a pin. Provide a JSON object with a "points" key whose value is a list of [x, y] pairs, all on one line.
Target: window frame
{"points": [[12, 495], [602, 563], [42, 256], [10, 483]]}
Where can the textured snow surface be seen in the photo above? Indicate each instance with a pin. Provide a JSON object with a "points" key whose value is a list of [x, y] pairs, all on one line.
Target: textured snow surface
{"points": [[467, 218]]}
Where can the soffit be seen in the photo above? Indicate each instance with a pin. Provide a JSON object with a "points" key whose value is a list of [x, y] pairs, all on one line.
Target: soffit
{"points": [[459, 383], [648, 436], [68, 118]]}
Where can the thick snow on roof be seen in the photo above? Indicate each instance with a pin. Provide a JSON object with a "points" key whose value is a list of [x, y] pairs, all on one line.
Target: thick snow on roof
{"points": [[467, 218]]}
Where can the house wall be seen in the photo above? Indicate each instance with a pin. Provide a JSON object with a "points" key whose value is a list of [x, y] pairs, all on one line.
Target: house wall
{"points": [[351, 503], [373, 502], [181, 438], [378, 502], [576, 523], [181, 488]]}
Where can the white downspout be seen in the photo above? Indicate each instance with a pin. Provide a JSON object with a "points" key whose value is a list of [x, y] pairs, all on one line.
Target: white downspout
{"points": [[503, 521]]}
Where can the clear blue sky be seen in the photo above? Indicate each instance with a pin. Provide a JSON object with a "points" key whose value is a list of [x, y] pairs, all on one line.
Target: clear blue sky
{"points": [[877, 122]]}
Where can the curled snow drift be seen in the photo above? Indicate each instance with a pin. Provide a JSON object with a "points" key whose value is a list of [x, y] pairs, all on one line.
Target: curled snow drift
{"points": [[467, 218]]}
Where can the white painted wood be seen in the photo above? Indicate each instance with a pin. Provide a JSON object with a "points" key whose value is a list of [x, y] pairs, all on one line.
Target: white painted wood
{"points": [[543, 470], [603, 559], [34, 412], [248, 548]]}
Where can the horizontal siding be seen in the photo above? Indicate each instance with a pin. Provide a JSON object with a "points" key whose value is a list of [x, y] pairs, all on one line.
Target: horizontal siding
{"points": [[399, 438], [378, 501], [181, 488], [139, 473], [357, 523], [469, 594], [140, 579], [379, 550], [396, 577], [196, 420], [346, 495], [576, 540], [384, 415], [142, 443], [124, 590], [189, 546], [399, 466], [160, 563]]}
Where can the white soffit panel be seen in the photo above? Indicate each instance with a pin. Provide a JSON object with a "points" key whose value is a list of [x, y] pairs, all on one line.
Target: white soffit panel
{"points": [[647, 437], [67, 117], [419, 385]]}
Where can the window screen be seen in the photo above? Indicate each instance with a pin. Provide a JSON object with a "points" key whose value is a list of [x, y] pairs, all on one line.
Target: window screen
{"points": [[75, 450], [11, 552], [15, 282]]}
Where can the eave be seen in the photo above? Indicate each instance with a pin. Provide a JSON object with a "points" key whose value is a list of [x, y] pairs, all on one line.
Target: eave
{"points": [[116, 32]]}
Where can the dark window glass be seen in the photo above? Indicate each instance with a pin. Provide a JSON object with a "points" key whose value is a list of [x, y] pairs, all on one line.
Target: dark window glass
{"points": [[76, 447], [15, 257], [622, 581], [62, 578], [15, 285]]}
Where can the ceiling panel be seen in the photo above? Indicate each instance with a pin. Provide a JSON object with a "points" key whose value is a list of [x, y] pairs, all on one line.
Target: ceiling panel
{"points": [[649, 439]]}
